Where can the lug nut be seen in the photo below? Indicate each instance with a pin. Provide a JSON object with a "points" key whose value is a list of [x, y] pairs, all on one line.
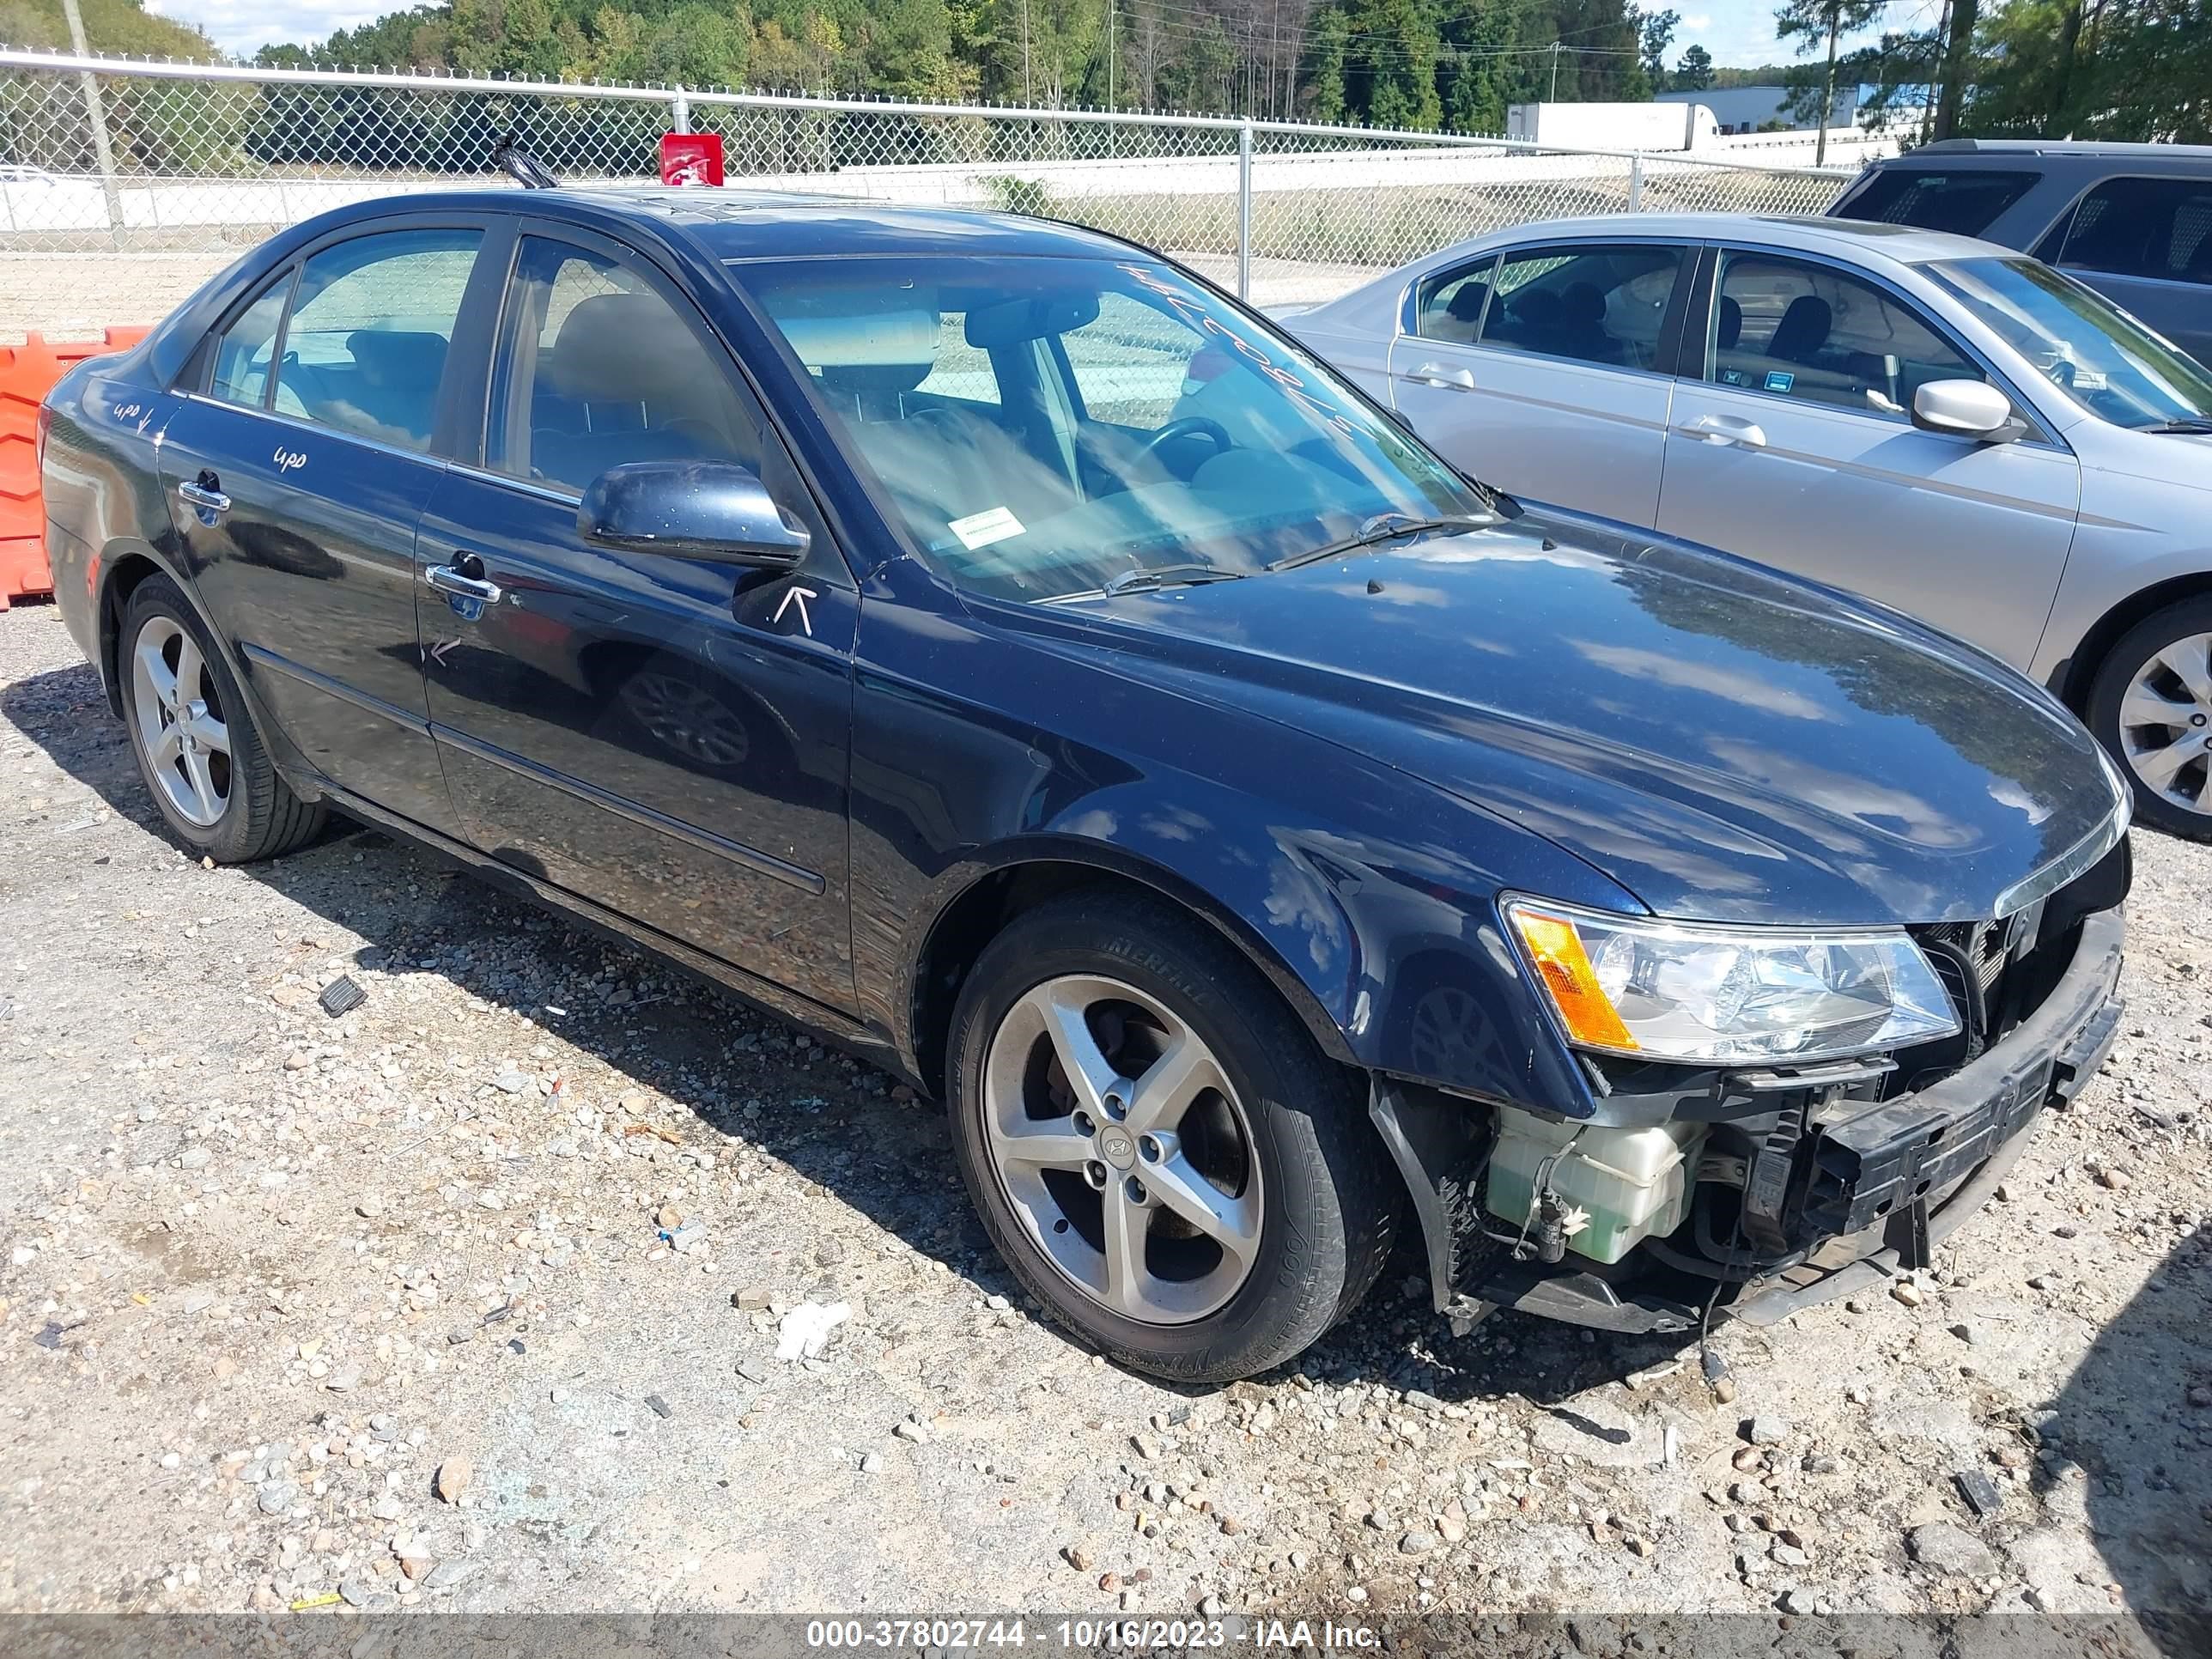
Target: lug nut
{"points": [[1135, 1189], [1148, 1148], [1116, 1108], [1084, 1126], [1095, 1173]]}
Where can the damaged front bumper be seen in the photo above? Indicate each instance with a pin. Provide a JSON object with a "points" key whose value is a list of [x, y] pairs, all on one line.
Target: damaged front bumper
{"points": [[1859, 1191]]}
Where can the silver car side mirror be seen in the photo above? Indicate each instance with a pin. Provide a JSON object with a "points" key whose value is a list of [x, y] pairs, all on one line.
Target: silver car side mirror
{"points": [[1966, 409]]}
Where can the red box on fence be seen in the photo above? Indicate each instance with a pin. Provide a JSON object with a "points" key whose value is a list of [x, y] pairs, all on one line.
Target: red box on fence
{"points": [[690, 158]]}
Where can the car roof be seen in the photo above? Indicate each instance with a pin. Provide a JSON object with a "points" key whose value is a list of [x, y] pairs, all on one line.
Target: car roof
{"points": [[1845, 238], [1954, 149], [737, 223]]}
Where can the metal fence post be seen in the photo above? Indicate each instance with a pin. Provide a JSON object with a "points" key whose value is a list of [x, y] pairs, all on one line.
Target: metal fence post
{"points": [[1244, 210], [1636, 182], [679, 112]]}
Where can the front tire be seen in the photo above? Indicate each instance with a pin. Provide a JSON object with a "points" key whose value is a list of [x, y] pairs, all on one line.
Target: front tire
{"points": [[1156, 1146], [198, 750], [2151, 706]]}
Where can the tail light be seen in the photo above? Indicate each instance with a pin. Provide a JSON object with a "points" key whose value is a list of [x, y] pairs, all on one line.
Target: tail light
{"points": [[39, 449]]}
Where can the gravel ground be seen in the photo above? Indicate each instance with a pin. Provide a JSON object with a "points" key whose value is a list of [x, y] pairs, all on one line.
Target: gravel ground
{"points": [[381, 1308]]}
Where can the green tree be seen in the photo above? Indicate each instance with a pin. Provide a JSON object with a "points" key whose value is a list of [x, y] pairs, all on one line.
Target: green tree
{"points": [[1324, 67], [1694, 73], [1655, 33], [1807, 22]]}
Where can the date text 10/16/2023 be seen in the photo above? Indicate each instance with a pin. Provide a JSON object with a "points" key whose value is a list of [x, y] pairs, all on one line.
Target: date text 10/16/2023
{"points": [[1088, 1635]]}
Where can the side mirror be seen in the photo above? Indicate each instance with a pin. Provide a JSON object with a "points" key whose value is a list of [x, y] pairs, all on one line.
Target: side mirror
{"points": [[1966, 409], [714, 510]]}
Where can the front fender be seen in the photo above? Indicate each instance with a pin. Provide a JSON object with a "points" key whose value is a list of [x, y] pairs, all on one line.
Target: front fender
{"points": [[1368, 896]]}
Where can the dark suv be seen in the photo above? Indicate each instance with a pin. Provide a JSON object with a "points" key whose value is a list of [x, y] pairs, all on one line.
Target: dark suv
{"points": [[2132, 221]]}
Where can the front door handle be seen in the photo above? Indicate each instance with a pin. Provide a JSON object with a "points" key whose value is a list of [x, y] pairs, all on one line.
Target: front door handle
{"points": [[205, 491], [451, 579], [1444, 379], [1725, 430]]}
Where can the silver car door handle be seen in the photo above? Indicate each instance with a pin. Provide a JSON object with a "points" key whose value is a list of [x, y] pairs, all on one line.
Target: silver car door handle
{"points": [[1724, 429], [1444, 379], [200, 496], [447, 580]]}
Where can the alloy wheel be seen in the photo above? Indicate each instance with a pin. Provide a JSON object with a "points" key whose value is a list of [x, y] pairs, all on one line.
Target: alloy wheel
{"points": [[180, 725], [1118, 1140], [2166, 723]]}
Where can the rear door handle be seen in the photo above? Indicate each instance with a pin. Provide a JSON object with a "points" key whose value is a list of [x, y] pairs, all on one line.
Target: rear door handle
{"points": [[1724, 429], [201, 492], [447, 579], [1444, 379]]}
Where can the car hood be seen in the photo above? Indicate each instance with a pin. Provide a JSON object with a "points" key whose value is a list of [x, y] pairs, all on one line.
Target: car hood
{"points": [[1726, 743]]}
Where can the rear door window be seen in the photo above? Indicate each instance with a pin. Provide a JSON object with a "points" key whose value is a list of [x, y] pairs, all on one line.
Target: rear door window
{"points": [[1815, 334], [372, 320], [1965, 202], [1452, 302], [248, 347], [1589, 305], [2156, 228]]}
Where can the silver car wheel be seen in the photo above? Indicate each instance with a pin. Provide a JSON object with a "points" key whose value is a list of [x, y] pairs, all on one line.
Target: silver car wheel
{"points": [[180, 728], [2166, 723], [1121, 1144]]}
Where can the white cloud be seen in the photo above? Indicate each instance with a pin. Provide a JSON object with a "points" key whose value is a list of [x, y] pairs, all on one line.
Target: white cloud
{"points": [[240, 26], [1697, 21]]}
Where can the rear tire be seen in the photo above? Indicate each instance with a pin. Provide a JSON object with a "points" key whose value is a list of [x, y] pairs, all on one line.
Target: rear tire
{"points": [[201, 759], [2151, 707], [1199, 1195]]}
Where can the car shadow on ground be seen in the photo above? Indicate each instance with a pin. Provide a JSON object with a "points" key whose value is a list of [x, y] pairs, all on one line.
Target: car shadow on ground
{"points": [[692, 1045], [2127, 1450]]}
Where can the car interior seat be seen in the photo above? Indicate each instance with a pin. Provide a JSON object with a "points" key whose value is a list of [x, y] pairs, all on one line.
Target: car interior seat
{"points": [[624, 383], [1803, 330]]}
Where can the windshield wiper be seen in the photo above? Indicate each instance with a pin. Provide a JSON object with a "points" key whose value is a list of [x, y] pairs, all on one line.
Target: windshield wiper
{"points": [[1382, 527], [1147, 576], [2189, 425]]}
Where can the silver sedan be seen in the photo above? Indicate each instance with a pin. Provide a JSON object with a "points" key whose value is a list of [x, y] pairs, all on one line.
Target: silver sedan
{"points": [[1940, 423]]}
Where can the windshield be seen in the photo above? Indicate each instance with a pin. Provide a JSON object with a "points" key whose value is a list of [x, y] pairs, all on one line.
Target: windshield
{"points": [[1046, 427], [2099, 356]]}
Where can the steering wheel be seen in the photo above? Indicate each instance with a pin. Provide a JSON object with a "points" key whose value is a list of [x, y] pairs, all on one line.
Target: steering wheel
{"points": [[1190, 426]]}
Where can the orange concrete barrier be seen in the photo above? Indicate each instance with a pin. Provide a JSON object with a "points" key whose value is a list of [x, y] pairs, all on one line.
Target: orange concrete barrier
{"points": [[26, 372]]}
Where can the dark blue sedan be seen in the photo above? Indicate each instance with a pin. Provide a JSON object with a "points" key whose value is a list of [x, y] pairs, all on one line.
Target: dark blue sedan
{"points": [[984, 643]]}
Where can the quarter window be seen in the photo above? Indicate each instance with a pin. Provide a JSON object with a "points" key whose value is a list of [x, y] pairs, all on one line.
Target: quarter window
{"points": [[1814, 334], [1452, 304], [371, 323], [597, 368], [1965, 202], [248, 347], [2156, 228], [1602, 304]]}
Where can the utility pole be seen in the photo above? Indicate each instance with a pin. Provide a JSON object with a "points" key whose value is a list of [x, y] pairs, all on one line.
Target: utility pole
{"points": [[1934, 74], [1029, 86], [1113, 14], [1555, 71], [96, 112]]}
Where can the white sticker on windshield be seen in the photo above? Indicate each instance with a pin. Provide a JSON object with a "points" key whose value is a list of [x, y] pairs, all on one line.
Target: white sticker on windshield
{"points": [[981, 529]]}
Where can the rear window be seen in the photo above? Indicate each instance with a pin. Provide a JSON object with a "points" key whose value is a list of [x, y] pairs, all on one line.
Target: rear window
{"points": [[1965, 202], [2156, 228]]}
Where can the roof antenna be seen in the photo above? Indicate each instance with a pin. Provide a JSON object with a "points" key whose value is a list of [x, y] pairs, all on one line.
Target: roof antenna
{"points": [[526, 169]]}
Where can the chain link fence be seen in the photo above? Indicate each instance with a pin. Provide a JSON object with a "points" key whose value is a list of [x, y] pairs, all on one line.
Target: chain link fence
{"points": [[196, 161]]}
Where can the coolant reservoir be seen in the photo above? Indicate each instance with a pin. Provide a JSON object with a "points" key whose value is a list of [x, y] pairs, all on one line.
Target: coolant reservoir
{"points": [[1632, 1183]]}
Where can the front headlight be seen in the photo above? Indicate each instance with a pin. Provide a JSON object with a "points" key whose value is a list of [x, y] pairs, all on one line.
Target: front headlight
{"points": [[1711, 995]]}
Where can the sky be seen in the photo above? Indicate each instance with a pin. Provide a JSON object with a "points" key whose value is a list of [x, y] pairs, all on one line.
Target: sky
{"points": [[1738, 32]]}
